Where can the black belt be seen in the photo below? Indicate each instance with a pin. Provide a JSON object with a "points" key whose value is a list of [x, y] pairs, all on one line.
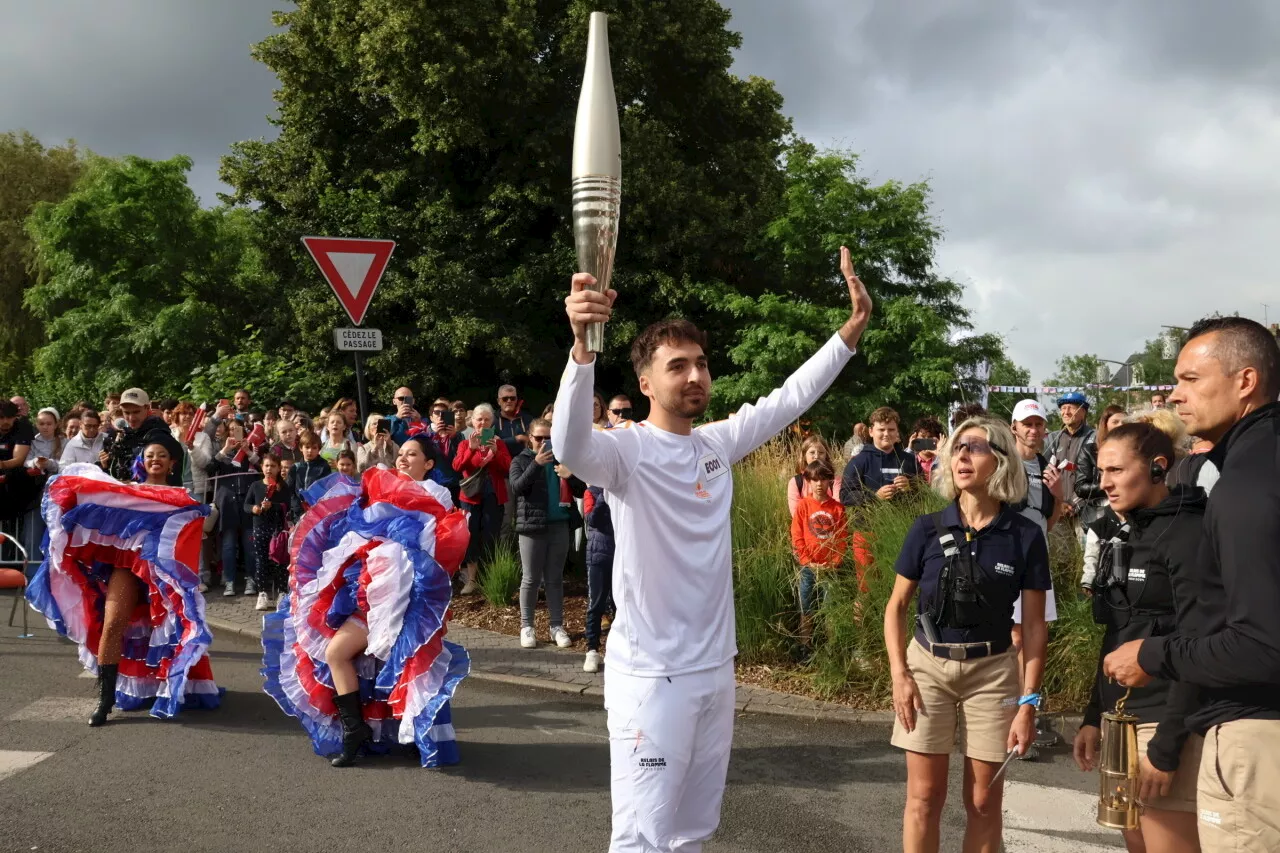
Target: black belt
{"points": [[965, 651]]}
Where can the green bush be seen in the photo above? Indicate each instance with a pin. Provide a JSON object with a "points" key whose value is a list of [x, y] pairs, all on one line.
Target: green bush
{"points": [[849, 655], [500, 577]]}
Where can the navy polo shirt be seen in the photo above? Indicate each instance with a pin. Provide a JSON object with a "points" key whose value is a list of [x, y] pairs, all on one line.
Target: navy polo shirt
{"points": [[1009, 555]]}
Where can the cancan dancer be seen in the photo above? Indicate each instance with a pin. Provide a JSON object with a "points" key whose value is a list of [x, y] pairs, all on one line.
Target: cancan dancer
{"points": [[356, 650], [669, 680], [121, 579]]}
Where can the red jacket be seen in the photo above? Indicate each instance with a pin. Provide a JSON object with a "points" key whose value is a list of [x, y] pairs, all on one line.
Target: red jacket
{"points": [[467, 461], [819, 533]]}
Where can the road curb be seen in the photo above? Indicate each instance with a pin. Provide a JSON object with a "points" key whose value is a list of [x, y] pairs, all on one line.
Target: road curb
{"points": [[835, 714]]}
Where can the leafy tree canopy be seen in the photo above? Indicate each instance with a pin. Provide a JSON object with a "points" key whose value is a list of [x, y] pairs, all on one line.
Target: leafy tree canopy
{"points": [[138, 284], [30, 173], [448, 127]]}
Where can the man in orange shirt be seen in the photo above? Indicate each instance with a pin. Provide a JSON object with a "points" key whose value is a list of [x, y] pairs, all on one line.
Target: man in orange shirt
{"points": [[820, 538]]}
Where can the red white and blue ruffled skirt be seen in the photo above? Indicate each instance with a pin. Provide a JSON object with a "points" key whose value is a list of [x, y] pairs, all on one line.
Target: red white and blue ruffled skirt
{"points": [[382, 551], [96, 524]]}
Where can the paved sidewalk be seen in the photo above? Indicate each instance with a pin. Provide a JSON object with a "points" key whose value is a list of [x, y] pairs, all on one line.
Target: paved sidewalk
{"points": [[497, 657]]}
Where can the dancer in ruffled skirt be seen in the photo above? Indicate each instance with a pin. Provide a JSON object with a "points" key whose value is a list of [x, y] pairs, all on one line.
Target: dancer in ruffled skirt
{"points": [[121, 578], [356, 651]]}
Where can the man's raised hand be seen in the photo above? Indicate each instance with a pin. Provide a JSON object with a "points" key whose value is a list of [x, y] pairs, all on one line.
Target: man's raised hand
{"points": [[861, 299], [584, 307]]}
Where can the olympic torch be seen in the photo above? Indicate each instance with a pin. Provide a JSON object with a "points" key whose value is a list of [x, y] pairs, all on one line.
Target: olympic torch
{"points": [[597, 169]]}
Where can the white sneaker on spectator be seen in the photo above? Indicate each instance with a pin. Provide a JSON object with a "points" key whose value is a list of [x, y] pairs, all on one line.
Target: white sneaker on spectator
{"points": [[204, 587], [250, 588], [593, 661], [264, 602], [561, 637], [527, 640], [229, 590], [468, 588]]}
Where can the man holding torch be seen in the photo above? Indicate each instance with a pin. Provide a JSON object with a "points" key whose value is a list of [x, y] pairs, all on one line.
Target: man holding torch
{"points": [[669, 679]]}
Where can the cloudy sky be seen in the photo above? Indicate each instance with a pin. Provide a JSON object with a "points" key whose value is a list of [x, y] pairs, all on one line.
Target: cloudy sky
{"points": [[1099, 168]]}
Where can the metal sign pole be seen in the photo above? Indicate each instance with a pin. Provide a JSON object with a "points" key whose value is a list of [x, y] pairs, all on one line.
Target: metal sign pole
{"points": [[361, 402]]}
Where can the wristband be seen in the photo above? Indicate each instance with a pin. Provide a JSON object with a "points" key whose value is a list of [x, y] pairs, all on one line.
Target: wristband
{"points": [[1030, 699]]}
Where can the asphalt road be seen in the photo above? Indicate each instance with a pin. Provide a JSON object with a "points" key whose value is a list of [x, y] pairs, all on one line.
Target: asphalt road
{"points": [[533, 778]]}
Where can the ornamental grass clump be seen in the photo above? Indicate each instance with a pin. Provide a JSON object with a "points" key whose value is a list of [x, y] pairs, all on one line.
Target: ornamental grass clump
{"points": [[849, 658]]}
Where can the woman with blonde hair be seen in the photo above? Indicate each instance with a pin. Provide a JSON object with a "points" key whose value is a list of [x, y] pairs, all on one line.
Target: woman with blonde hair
{"points": [[378, 448], [969, 563], [812, 449]]}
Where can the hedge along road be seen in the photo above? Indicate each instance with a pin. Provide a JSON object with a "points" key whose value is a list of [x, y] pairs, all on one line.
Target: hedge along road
{"points": [[534, 777]]}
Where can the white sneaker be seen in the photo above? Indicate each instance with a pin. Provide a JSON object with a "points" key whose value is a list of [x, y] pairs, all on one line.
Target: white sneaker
{"points": [[561, 637], [229, 590], [264, 602], [468, 588], [250, 588], [593, 661], [204, 587], [527, 640]]}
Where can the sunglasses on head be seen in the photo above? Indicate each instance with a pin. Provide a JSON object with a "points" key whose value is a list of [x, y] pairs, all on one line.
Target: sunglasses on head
{"points": [[976, 447]]}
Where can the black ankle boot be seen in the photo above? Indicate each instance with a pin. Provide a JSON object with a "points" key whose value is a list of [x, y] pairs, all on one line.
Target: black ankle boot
{"points": [[106, 693], [355, 731]]}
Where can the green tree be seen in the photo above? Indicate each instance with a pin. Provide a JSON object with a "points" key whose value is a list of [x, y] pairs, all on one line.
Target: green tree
{"points": [[919, 344], [29, 174], [1006, 372], [1086, 373], [138, 284], [448, 127]]}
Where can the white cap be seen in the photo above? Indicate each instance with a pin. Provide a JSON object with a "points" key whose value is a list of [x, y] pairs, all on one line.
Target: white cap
{"points": [[1028, 409]]}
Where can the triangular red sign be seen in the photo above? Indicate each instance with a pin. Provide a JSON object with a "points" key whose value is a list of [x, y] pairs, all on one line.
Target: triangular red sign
{"points": [[353, 266]]}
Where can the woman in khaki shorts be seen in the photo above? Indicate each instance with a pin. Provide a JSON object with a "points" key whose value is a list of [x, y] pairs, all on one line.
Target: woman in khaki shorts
{"points": [[957, 675], [1134, 598]]}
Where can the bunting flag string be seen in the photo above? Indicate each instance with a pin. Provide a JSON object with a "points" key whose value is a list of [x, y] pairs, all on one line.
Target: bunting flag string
{"points": [[1063, 389]]}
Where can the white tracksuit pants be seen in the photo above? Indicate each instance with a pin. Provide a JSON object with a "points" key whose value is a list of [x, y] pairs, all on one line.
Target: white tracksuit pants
{"points": [[669, 741]]}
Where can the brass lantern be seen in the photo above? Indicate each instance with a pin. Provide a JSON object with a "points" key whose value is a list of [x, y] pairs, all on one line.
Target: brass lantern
{"points": [[1118, 769]]}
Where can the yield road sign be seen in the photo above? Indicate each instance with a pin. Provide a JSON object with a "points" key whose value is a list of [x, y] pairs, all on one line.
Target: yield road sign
{"points": [[353, 267]]}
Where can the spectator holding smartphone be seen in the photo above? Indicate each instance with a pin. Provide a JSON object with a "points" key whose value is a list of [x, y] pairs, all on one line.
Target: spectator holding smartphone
{"points": [[925, 436], [406, 417], [483, 462], [378, 448], [445, 439], [546, 515], [236, 467]]}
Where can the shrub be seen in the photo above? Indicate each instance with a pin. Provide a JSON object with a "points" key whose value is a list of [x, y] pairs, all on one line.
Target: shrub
{"points": [[849, 653], [500, 577]]}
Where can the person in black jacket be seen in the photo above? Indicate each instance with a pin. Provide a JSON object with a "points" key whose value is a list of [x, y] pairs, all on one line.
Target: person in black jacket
{"points": [[1228, 637], [600, 550], [1138, 583], [268, 501], [123, 446], [305, 474], [235, 469], [546, 516], [881, 469]]}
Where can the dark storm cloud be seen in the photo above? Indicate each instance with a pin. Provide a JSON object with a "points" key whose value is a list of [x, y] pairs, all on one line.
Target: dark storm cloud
{"points": [[1098, 168], [131, 77]]}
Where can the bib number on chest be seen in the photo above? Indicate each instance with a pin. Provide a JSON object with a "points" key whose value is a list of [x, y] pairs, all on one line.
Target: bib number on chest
{"points": [[711, 468]]}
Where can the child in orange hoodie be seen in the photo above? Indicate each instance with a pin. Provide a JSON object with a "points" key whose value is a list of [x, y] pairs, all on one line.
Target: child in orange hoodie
{"points": [[820, 538]]}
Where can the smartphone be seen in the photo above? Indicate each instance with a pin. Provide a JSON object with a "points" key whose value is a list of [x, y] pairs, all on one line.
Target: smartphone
{"points": [[447, 418], [924, 444], [384, 426], [546, 447], [486, 435], [224, 402]]}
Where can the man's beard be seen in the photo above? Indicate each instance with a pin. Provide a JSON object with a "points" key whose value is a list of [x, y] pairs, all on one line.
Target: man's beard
{"points": [[681, 406]]}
